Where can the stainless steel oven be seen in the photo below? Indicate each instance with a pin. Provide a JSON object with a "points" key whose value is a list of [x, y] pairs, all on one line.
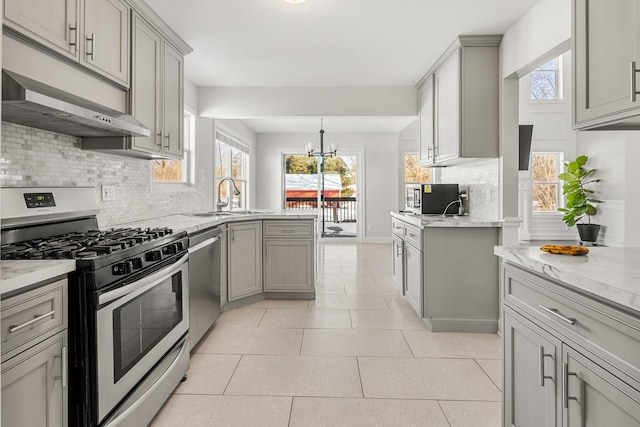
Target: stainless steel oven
{"points": [[138, 323]]}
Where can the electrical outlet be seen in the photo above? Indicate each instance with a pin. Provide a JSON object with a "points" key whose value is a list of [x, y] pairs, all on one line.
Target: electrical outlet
{"points": [[108, 193]]}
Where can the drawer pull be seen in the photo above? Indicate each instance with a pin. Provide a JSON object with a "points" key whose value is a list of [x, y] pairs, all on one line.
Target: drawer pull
{"points": [[288, 230], [541, 356], [410, 235], [554, 312], [14, 328]]}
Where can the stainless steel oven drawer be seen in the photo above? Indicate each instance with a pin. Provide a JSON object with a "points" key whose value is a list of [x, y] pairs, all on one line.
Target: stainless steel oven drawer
{"points": [[39, 313]]}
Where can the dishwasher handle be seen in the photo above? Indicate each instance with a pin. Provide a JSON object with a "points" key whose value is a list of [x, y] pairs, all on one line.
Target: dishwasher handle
{"points": [[204, 244]]}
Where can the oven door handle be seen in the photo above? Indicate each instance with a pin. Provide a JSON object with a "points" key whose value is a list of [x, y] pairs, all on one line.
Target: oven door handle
{"points": [[142, 284]]}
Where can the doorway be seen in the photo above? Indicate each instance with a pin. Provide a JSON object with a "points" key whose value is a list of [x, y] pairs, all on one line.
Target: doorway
{"points": [[329, 185]]}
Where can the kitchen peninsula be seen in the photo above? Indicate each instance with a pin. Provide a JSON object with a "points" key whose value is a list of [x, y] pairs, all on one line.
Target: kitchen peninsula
{"points": [[447, 270], [572, 333]]}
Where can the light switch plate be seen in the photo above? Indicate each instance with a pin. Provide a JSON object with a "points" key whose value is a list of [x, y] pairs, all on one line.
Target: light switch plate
{"points": [[108, 193]]}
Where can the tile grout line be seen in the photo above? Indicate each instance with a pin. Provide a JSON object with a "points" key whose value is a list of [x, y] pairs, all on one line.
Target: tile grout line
{"points": [[408, 345], [360, 376], [264, 313], [443, 413], [485, 372], [232, 374], [290, 411]]}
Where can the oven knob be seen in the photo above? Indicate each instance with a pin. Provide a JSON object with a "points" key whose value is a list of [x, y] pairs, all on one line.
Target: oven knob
{"points": [[129, 266], [120, 269], [177, 247], [153, 255], [136, 263]]}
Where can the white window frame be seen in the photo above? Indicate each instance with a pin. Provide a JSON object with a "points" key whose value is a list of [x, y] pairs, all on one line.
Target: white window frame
{"points": [[557, 182], [247, 165], [559, 84], [188, 159]]}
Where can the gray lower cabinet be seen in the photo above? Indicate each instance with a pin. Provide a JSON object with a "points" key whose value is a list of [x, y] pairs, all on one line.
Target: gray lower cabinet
{"points": [[605, 49], [244, 259], [34, 357], [397, 257], [289, 254], [413, 284], [570, 360], [34, 385], [531, 378]]}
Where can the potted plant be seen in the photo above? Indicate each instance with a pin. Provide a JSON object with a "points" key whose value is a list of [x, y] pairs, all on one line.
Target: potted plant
{"points": [[579, 198]]}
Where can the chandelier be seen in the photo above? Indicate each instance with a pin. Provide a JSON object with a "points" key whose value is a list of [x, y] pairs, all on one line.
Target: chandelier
{"points": [[311, 148]]}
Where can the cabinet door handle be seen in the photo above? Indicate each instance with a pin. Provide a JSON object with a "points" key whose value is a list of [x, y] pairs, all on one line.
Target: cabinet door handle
{"points": [[634, 90], [92, 39], [167, 137], [429, 150], [554, 312], [541, 356], [565, 385], [398, 251], [14, 328], [63, 367], [266, 250], [74, 43], [161, 135]]}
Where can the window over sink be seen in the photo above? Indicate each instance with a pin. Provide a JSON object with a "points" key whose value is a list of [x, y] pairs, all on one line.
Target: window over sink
{"points": [[232, 160]]}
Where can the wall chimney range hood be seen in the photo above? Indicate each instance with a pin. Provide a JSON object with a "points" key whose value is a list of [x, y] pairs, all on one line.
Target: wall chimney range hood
{"points": [[31, 103]]}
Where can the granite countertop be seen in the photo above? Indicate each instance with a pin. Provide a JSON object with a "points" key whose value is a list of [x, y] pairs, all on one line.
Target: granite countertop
{"points": [[191, 222], [449, 221], [17, 274], [612, 274]]}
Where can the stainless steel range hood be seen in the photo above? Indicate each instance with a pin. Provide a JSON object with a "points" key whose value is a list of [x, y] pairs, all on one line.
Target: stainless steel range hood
{"points": [[35, 104]]}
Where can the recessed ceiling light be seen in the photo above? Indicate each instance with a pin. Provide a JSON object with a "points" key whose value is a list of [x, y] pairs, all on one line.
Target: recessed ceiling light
{"points": [[295, 1]]}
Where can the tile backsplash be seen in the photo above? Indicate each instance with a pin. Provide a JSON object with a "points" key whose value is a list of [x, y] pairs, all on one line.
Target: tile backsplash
{"points": [[34, 157], [482, 178]]}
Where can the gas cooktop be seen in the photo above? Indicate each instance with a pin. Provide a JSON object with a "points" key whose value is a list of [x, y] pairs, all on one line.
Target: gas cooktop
{"points": [[82, 245]]}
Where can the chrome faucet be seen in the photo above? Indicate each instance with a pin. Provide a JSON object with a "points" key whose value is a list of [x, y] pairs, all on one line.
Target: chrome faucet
{"points": [[219, 203]]}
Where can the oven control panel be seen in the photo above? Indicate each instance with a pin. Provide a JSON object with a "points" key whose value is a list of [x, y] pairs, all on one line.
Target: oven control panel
{"points": [[39, 200]]}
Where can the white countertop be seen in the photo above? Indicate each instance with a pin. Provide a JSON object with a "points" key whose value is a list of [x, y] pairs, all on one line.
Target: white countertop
{"points": [[191, 224], [612, 274], [449, 221], [16, 274]]}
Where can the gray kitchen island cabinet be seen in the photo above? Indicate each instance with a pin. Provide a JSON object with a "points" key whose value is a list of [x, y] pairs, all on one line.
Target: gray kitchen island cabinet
{"points": [[449, 274], [570, 360], [245, 259], [289, 254], [605, 50]]}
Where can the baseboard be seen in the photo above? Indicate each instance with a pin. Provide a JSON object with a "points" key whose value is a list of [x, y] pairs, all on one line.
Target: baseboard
{"points": [[477, 326], [290, 295]]}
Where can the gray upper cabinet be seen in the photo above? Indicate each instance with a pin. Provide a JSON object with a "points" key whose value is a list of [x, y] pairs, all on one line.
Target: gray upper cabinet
{"points": [[157, 91], [173, 101], [426, 123], [105, 39], [605, 46], [52, 23], [146, 84], [94, 33], [462, 122]]}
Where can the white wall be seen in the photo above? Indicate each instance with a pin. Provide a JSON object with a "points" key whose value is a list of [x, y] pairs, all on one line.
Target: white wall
{"points": [[229, 102], [381, 179]]}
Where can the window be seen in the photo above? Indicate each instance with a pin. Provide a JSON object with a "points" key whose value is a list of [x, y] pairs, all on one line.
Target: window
{"points": [[413, 173], [232, 160], [546, 82], [179, 171], [546, 195]]}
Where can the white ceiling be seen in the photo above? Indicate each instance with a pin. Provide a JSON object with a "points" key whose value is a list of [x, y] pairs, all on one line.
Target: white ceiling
{"points": [[320, 43], [331, 124]]}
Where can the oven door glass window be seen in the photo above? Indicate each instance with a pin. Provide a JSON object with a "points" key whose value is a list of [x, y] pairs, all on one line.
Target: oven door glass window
{"points": [[142, 322]]}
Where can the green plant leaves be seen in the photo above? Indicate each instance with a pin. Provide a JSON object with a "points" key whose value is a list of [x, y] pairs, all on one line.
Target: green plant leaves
{"points": [[579, 202]]}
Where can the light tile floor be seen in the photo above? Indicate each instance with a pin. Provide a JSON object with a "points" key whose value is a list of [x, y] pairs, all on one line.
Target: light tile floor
{"points": [[356, 356]]}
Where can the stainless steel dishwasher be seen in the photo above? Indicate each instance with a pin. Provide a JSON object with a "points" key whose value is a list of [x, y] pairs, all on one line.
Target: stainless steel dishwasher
{"points": [[205, 269]]}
